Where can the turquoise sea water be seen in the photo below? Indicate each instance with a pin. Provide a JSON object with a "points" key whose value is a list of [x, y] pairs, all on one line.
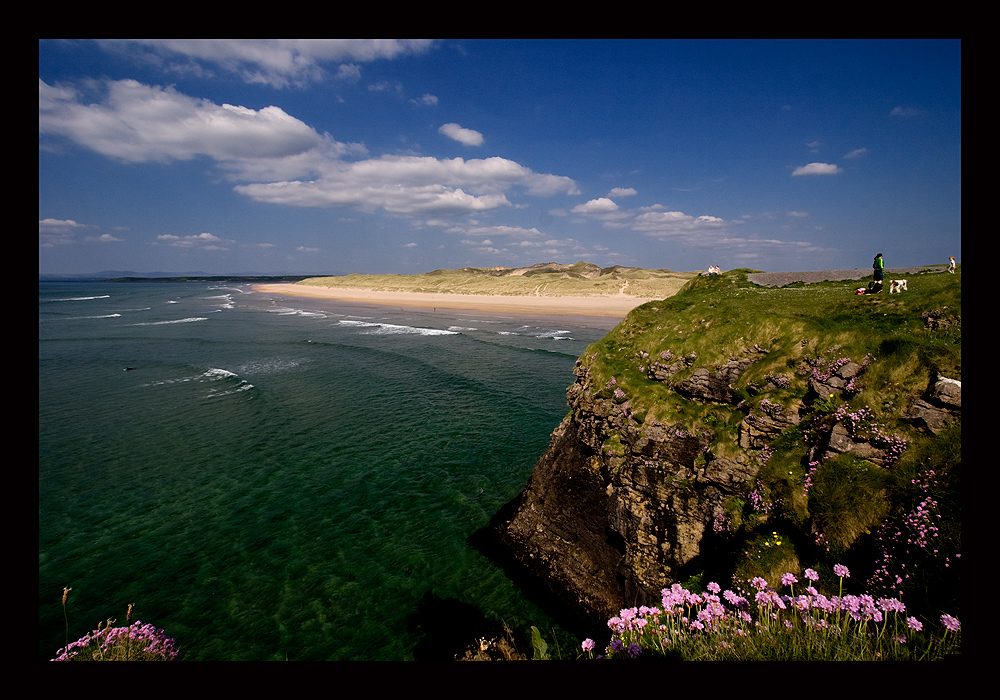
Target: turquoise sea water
{"points": [[278, 477]]}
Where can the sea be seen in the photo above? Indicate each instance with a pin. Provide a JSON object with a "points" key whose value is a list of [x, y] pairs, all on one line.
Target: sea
{"points": [[267, 477]]}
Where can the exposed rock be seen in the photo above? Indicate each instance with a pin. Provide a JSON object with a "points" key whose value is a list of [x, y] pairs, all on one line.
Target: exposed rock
{"points": [[603, 528], [837, 382], [761, 427], [716, 385], [938, 407]]}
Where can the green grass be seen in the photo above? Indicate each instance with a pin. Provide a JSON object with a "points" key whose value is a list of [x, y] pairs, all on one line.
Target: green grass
{"points": [[904, 342]]}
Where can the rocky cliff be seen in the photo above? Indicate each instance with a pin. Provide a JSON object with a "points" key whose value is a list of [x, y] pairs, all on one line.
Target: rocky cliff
{"points": [[686, 448]]}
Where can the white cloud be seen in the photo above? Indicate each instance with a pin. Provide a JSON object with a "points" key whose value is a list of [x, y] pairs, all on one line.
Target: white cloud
{"points": [[139, 123], [464, 136], [426, 100], [276, 62], [201, 241], [857, 153], [666, 224], [904, 112], [817, 169], [601, 205], [622, 192], [57, 232], [278, 158]]}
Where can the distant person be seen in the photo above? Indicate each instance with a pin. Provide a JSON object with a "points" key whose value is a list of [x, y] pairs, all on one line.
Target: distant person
{"points": [[878, 265], [951, 264]]}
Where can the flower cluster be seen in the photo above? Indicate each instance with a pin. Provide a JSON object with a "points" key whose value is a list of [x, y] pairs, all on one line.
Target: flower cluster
{"points": [[137, 642], [778, 380], [770, 408], [719, 625], [861, 424], [822, 374], [918, 531]]}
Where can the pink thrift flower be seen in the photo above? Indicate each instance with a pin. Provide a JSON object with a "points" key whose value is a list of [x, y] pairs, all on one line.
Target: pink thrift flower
{"points": [[950, 623], [841, 571]]}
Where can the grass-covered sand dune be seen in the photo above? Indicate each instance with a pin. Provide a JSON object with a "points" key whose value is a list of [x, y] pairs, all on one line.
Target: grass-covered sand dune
{"points": [[546, 279]]}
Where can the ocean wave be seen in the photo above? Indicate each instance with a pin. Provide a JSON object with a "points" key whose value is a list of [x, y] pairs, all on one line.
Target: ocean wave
{"points": [[165, 323], [376, 328], [288, 311], [102, 296], [226, 299], [230, 382]]}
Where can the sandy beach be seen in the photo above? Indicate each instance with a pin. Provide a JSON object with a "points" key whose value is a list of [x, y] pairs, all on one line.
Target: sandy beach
{"points": [[616, 306]]}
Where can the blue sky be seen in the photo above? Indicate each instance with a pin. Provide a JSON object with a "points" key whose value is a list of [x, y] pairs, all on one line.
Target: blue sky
{"points": [[406, 156]]}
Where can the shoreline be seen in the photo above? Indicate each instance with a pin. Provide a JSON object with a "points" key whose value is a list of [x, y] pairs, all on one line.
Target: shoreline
{"points": [[617, 306]]}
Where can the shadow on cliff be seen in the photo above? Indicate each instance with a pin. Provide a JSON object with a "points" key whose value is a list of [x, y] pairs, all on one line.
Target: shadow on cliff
{"points": [[486, 541], [448, 627]]}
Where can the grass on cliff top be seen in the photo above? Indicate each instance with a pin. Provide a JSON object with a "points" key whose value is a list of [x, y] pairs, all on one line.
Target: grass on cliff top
{"points": [[723, 317], [581, 279], [904, 342]]}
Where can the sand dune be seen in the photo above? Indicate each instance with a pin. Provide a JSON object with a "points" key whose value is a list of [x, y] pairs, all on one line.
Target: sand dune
{"points": [[613, 306]]}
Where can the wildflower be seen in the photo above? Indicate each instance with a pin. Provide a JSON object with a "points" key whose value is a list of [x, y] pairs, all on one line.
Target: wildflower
{"points": [[812, 575], [758, 583], [634, 650], [914, 624], [788, 579], [588, 645], [841, 571], [950, 623], [714, 587]]}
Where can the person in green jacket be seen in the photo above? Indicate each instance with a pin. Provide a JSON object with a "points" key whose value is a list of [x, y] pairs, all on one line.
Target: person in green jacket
{"points": [[878, 265]]}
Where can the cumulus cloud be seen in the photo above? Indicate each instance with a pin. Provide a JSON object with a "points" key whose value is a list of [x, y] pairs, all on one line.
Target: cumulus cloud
{"points": [[411, 185], [857, 153], [666, 224], [276, 157], [622, 192], [139, 123], [817, 169], [601, 205], [56, 232], [464, 136], [201, 241]]}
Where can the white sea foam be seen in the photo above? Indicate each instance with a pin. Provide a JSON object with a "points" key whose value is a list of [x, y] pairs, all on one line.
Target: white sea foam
{"points": [[103, 296], [288, 311], [165, 323], [374, 328]]}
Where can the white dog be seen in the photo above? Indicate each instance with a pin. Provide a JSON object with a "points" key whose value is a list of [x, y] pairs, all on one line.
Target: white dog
{"points": [[897, 286]]}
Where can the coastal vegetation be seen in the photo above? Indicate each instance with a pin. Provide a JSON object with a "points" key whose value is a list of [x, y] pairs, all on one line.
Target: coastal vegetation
{"points": [[828, 402], [545, 279]]}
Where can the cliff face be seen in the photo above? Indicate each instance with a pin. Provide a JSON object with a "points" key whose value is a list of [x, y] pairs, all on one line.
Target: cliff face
{"points": [[633, 494], [608, 526]]}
